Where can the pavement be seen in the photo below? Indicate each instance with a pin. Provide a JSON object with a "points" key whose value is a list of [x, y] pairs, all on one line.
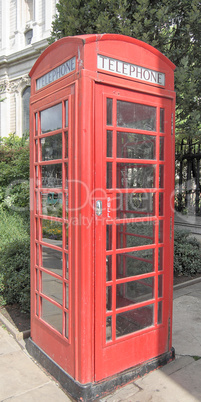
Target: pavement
{"points": [[23, 379]]}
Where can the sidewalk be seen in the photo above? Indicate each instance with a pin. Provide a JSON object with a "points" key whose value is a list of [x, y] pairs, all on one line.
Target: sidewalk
{"points": [[22, 379]]}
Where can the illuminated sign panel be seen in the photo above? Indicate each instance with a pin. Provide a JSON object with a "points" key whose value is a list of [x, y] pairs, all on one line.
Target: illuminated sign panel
{"points": [[130, 70], [58, 72]]}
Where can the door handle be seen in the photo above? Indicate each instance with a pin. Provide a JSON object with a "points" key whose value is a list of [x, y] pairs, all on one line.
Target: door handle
{"points": [[99, 208]]}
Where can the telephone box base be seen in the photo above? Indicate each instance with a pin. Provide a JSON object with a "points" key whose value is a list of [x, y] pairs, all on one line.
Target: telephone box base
{"points": [[92, 391]]}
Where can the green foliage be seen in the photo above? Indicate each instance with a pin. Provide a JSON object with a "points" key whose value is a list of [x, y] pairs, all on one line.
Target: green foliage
{"points": [[14, 173], [187, 254], [14, 259], [173, 27]]}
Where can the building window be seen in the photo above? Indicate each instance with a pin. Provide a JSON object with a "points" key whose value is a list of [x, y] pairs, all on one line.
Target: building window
{"points": [[25, 110], [28, 36]]}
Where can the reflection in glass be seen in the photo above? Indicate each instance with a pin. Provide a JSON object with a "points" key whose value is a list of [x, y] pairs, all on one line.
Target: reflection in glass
{"points": [[67, 267], [66, 236], [67, 325], [52, 315], [36, 151], [52, 232], [134, 292], [109, 111], [66, 106], [51, 147], [162, 115], [52, 260], [51, 118], [137, 116], [109, 143], [134, 320], [134, 205], [52, 287], [160, 285], [67, 296], [161, 176], [160, 259], [160, 233], [109, 174], [160, 312], [109, 298], [108, 237], [36, 122], [134, 234], [52, 204], [108, 329], [66, 146], [52, 175], [132, 175], [136, 146], [160, 204], [161, 153], [134, 263], [37, 305], [37, 254], [108, 268]]}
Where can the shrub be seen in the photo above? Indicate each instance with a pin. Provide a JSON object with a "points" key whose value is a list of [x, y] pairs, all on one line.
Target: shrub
{"points": [[187, 254], [14, 260]]}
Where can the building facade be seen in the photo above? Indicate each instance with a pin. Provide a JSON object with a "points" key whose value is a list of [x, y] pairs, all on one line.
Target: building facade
{"points": [[25, 27]]}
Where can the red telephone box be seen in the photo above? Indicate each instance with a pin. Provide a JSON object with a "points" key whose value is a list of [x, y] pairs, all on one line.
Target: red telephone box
{"points": [[102, 179]]}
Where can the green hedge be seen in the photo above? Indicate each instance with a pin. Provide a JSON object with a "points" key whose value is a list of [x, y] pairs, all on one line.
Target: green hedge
{"points": [[187, 254]]}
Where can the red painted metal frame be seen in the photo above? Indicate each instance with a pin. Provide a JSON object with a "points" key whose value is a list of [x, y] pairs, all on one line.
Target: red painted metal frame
{"points": [[85, 356]]}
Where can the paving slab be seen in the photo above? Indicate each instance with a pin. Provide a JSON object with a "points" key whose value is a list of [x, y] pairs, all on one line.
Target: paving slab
{"points": [[7, 343], [45, 393], [186, 335]]}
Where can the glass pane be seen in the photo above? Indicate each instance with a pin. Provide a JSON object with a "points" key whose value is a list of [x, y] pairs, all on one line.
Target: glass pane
{"points": [[109, 111], [52, 260], [160, 234], [37, 305], [36, 151], [66, 236], [51, 118], [66, 146], [67, 296], [134, 292], [134, 115], [37, 228], [67, 325], [37, 280], [136, 146], [109, 174], [108, 268], [51, 147], [160, 286], [135, 234], [161, 176], [37, 254], [131, 175], [66, 105], [160, 259], [160, 204], [108, 329], [67, 267], [108, 237], [52, 315], [134, 263], [162, 115], [109, 143], [36, 176], [161, 153], [52, 204], [160, 312], [52, 232], [134, 205], [109, 298], [36, 120], [52, 176], [134, 320], [52, 287]]}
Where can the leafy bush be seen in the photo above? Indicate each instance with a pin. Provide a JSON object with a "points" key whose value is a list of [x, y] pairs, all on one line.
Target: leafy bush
{"points": [[187, 254], [14, 173], [14, 259]]}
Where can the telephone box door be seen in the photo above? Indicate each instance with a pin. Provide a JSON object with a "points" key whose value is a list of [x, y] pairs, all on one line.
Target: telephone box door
{"points": [[134, 181]]}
